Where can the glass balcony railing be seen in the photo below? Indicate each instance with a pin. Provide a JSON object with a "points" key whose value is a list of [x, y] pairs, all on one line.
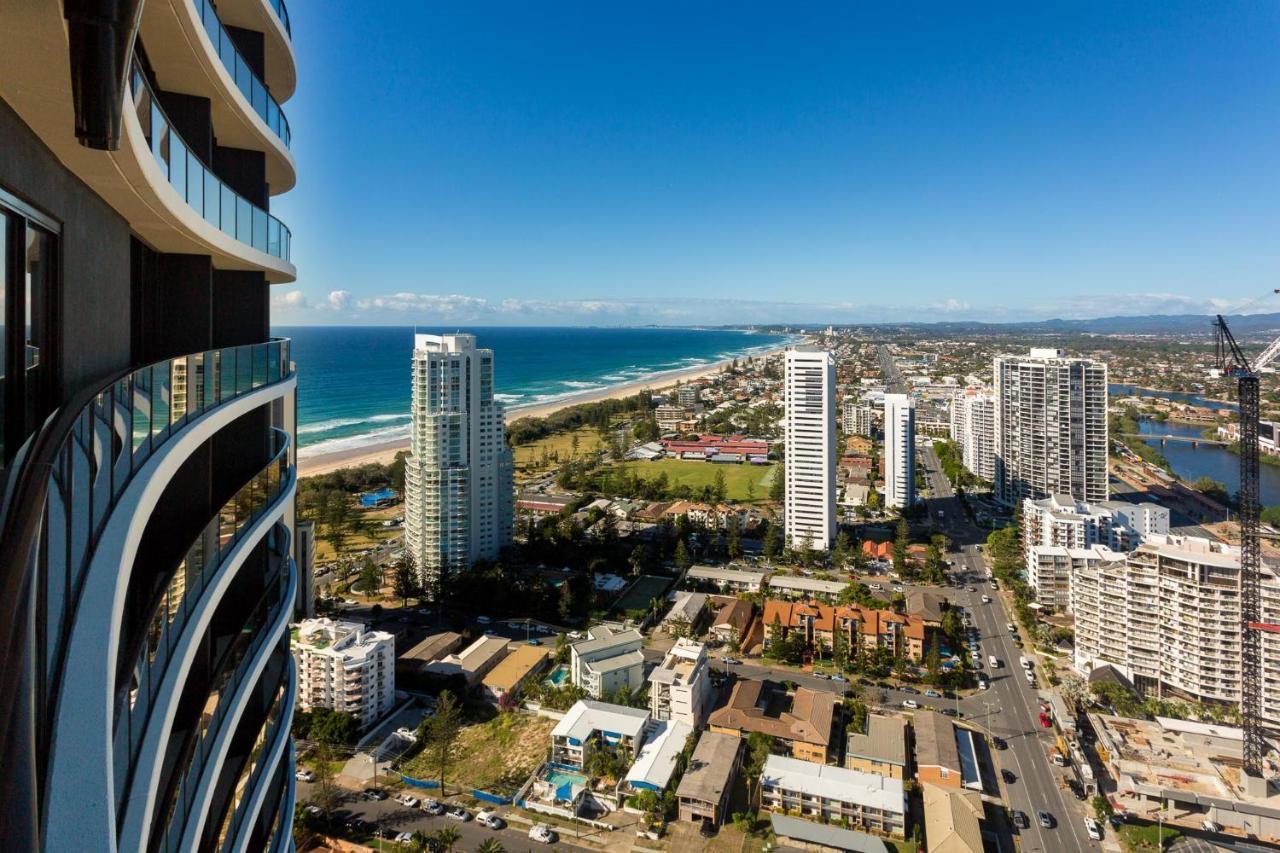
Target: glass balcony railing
{"points": [[219, 205], [232, 671], [251, 774], [198, 568], [253, 89]]}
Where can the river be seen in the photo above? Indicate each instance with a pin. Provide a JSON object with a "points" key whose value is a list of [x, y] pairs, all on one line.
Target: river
{"points": [[1214, 461]]}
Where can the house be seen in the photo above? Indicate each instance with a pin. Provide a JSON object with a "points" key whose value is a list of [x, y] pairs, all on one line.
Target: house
{"points": [[799, 721], [882, 748], [827, 794], [952, 820], [514, 671], [818, 623], [706, 788], [680, 686], [732, 620], [655, 764], [877, 550], [727, 580], [540, 505], [606, 661], [589, 726], [434, 647], [474, 662], [799, 586], [686, 614], [937, 757]]}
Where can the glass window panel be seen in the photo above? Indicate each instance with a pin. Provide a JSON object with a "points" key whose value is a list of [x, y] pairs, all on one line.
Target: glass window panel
{"points": [[273, 236], [141, 409], [228, 223], [259, 229], [244, 220], [5, 296], [160, 398], [37, 287], [212, 199], [178, 166]]}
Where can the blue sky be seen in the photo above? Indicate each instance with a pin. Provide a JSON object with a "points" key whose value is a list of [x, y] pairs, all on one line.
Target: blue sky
{"points": [[541, 163]]}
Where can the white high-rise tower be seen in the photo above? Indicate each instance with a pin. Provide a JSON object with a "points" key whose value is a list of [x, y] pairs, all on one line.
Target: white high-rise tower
{"points": [[899, 450], [1050, 427], [458, 477], [810, 514]]}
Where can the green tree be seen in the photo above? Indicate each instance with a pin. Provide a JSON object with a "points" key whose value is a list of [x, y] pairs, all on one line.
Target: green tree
{"points": [[682, 555], [1101, 807], [370, 577], [333, 728], [324, 789], [447, 837], [774, 646], [561, 652], [840, 551], [901, 539], [718, 489], [565, 605], [491, 845], [404, 578], [772, 541], [441, 730], [778, 485], [733, 541], [759, 747]]}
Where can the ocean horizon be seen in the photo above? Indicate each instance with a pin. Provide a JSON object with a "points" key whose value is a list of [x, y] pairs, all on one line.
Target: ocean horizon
{"points": [[353, 381]]}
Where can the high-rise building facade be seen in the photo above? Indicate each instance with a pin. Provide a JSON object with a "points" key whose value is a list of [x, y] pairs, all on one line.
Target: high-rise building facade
{"points": [[343, 666], [810, 493], [857, 417], [1167, 616], [146, 427], [1050, 427], [459, 499], [899, 451], [973, 430]]}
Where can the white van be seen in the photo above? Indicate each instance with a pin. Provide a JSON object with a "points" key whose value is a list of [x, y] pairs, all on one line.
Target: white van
{"points": [[993, 661], [1026, 663]]}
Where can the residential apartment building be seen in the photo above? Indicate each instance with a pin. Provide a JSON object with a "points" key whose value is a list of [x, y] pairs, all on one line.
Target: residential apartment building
{"points": [[857, 417], [1051, 567], [670, 418], [472, 663], [810, 493], [147, 458], [799, 721], [680, 687], [820, 792], [899, 451], [973, 429], [589, 726], [689, 395], [1167, 616], [881, 749], [459, 497], [937, 755], [1050, 426], [343, 666], [706, 789], [818, 623], [606, 661]]}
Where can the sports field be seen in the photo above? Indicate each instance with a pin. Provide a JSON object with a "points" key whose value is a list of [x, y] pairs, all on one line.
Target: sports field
{"points": [[742, 482]]}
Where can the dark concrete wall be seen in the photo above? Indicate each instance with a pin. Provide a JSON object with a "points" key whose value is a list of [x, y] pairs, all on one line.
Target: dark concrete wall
{"points": [[191, 117], [244, 171], [252, 47], [241, 308], [172, 304], [93, 316]]}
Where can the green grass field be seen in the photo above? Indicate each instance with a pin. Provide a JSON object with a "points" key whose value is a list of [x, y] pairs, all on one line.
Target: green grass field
{"points": [[742, 482]]}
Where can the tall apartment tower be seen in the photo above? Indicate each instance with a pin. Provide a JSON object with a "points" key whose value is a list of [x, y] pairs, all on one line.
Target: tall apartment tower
{"points": [[1050, 427], [147, 427], [899, 450], [973, 429], [810, 396], [459, 502], [856, 417]]}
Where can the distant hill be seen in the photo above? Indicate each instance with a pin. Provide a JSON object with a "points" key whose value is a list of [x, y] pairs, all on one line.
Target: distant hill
{"points": [[1241, 325]]}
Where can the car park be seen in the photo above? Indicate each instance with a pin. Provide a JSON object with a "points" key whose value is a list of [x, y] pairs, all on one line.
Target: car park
{"points": [[433, 807], [910, 703], [490, 818], [408, 800]]}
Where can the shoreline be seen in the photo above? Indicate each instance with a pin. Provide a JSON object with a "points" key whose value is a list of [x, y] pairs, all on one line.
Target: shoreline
{"points": [[385, 452]]}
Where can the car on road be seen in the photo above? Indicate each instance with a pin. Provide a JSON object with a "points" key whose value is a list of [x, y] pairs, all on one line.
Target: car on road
{"points": [[820, 674], [490, 818], [1094, 828], [910, 690], [542, 833], [1020, 819], [838, 677], [376, 794], [949, 712], [730, 661], [458, 813], [1046, 819], [910, 703], [305, 776], [983, 684], [433, 807], [1008, 776], [575, 635], [875, 586], [404, 838], [408, 800], [932, 694], [986, 599], [898, 588]]}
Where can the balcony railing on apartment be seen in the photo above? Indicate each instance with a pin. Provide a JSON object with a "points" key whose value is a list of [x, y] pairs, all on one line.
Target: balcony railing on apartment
{"points": [[254, 767], [283, 14], [249, 84], [218, 204]]}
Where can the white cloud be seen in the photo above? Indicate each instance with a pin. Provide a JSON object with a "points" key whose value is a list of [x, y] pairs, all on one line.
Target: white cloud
{"points": [[289, 300], [338, 300]]}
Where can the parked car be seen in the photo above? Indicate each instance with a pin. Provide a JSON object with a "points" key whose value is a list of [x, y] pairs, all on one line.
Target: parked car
{"points": [[1020, 819], [1046, 819], [458, 813], [999, 743], [1094, 828], [542, 833], [910, 703], [707, 829], [433, 807], [730, 661], [404, 838], [375, 794], [408, 800], [1008, 776], [305, 776], [933, 694], [490, 818], [838, 677], [949, 712], [910, 690]]}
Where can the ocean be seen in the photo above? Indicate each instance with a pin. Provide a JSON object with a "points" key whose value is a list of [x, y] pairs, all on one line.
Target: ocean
{"points": [[353, 381]]}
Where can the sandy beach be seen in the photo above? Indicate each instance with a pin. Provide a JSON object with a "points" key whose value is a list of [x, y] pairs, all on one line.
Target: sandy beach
{"points": [[323, 463]]}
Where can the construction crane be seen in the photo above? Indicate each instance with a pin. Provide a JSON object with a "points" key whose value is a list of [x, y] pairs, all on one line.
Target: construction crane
{"points": [[1232, 362]]}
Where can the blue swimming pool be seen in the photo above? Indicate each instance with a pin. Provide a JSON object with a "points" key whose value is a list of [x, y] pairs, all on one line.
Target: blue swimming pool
{"points": [[564, 782], [558, 676]]}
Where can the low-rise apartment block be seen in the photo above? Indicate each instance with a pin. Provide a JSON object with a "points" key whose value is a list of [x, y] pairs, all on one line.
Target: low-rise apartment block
{"points": [[881, 749], [343, 666], [727, 580], [903, 635], [679, 687], [606, 661], [514, 671], [707, 785], [589, 725], [799, 722], [829, 794], [472, 663], [937, 756]]}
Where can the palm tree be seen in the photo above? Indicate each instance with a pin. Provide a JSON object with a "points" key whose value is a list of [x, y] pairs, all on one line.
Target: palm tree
{"points": [[422, 842], [491, 845], [447, 837]]}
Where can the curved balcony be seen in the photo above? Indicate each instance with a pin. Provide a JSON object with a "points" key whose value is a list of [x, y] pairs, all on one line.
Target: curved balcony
{"points": [[271, 19], [190, 51], [237, 671], [196, 184], [199, 580]]}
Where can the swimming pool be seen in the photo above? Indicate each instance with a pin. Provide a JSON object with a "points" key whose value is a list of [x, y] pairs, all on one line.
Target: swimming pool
{"points": [[558, 676], [564, 781]]}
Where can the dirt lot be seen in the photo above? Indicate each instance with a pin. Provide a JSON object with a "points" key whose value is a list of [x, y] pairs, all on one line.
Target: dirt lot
{"points": [[496, 756]]}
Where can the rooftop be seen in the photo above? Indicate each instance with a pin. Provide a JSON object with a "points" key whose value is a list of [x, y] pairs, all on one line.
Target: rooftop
{"points": [[515, 667], [806, 584], [885, 740], [708, 773], [716, 573], [825, 836], [433, 647], [656, 760], [838, 783], [587, 716], [952, 820], [601, 638], [935, 741], [766, 707], [616, 662]]}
